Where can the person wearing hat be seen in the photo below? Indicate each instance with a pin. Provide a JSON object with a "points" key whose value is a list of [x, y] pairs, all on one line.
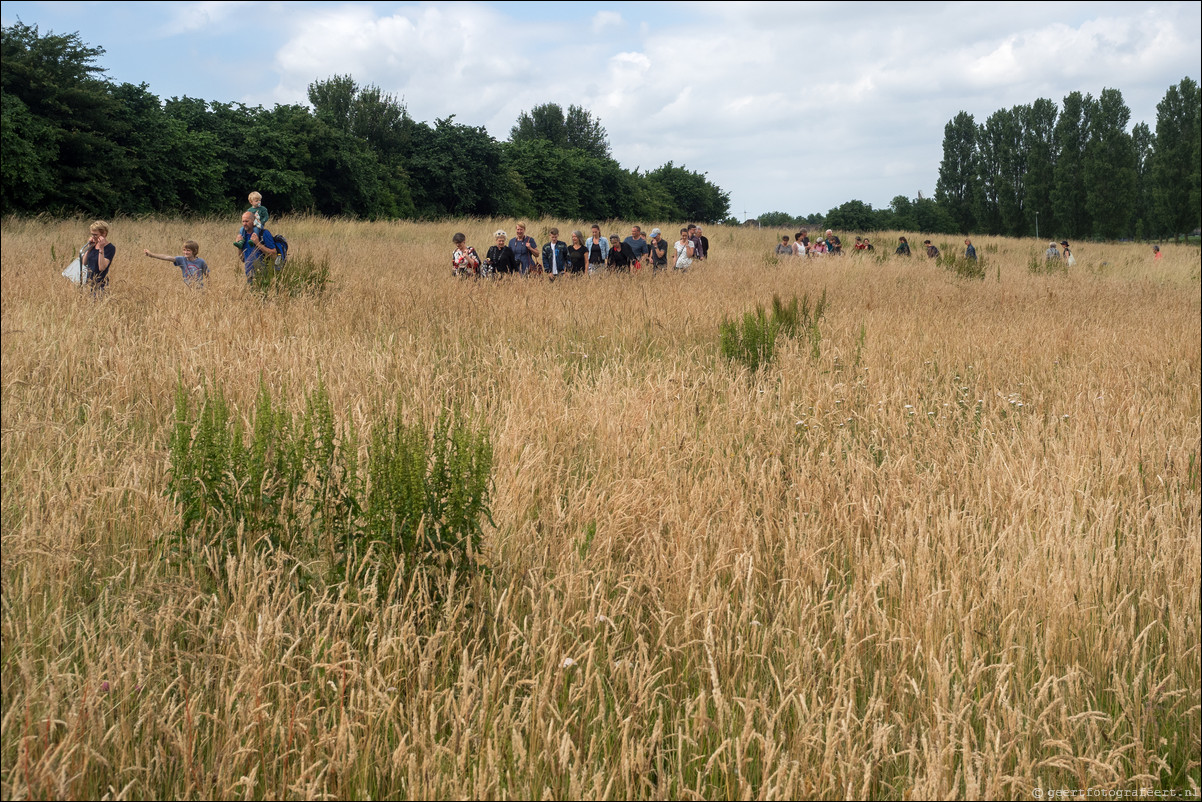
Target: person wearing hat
{"points": [[620, 256], [1067, 255], [659, 251], [1051, 254]]}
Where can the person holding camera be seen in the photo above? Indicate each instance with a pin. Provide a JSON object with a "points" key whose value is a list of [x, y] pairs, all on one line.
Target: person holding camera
{"points": [[97, 257]]}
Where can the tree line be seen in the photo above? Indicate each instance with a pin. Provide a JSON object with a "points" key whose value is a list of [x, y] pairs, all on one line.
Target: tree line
{"points": [[72, 141], [1072, 171]]}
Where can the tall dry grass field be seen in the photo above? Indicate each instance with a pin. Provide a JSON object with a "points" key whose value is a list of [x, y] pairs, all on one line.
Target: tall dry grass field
{"points": [[952, 552]]}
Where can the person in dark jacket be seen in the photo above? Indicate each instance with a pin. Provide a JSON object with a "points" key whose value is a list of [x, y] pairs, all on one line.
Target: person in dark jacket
{"points": [[903, 247], [500, 258], [555, 255], [620, 256]]}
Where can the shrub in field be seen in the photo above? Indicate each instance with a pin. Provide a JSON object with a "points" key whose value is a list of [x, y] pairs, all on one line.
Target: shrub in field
{"points": [[753, 343], [296, 483], [299, 275], [962, 266], [798, 318]]}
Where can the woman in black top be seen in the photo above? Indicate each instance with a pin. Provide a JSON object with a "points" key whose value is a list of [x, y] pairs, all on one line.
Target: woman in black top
{"points": [[500, 257], [620, 255], [97, 256], [577, 254]]}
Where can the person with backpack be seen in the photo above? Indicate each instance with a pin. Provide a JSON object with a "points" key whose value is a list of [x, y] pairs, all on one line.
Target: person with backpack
{"points": [[256, 246]]}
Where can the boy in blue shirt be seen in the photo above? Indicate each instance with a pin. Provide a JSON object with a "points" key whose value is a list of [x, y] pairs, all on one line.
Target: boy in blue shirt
{"points": [[190, 264]]}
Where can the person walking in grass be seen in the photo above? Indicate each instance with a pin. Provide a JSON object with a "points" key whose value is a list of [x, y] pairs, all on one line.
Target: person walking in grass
{"points": [[256, 244], [465, 262], [620, 258], [659, 251], [683, 258], [598, 250], [932, 251], [704, 243], [97, 257], [969, 251], [903, 247], [499, 258], [1051, 254], [525, 249], [555, 255], [1067, 254], [784, 249], [638, 245], [577, 254], [193, 268]]}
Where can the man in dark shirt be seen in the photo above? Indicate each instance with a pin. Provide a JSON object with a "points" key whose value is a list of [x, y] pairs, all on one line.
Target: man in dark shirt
{"points": [[932, 251], [659, 250], [695, 237], [620, 256]]}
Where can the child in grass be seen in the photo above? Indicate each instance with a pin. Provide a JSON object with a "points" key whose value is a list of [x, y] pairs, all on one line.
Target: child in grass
{"points": [[190, 264]]}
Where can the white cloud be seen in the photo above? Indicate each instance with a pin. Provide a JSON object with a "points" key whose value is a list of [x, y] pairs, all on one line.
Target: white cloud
{"points": [[792, 107], [192, 17]]}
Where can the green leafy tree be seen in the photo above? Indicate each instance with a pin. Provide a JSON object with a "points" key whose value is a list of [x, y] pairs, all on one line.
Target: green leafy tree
{"points": [[853, 215], [1175, 161], [1110, 167], [1068, 176], [1039, 143], [958, 173], [1144, 141], [576, 129], [693, 196], [903, 214]]}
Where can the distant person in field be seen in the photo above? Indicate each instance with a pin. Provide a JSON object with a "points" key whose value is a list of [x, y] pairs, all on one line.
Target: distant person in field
{"points": [[598, 250], [1051, 254], [903, 247], [1156, 254], [555, 255], [784, 249], [859, 246], [868, 246], [659, 251], [193, 268], [932, 251], [833, 244], [620, 256], [465, 262], [818, 247], [525, 249], [1067, 254], [799, 247], [683, 257], [256, 244], [705, 244], [969, 251], [638, 245], [804, 236], [500, 257], [577, 254], [97, 257], [695, 238]]}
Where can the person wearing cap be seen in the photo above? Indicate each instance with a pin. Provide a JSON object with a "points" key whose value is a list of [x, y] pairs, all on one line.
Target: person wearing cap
{"points": [[969, 251], [659, 250], [1051, 254], [638, 245], [620, 256]]}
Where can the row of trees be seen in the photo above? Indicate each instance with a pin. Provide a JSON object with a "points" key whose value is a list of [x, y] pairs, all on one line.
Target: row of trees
{"points": [[1076, 171], [72, 141]]}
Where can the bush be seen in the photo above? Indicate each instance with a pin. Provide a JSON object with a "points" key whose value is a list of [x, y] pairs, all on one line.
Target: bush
{"points": [[754, 343], [297, 485], [962, 266], [299, 275]]}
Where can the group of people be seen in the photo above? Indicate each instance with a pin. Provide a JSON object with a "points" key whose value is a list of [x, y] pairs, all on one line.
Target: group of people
{"points": [[520, 255], [1052, 254], [802, 245], [254, 242]]}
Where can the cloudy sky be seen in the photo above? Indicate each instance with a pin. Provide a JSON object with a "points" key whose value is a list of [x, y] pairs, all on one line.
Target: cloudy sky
{"points": [[794, 107]]}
